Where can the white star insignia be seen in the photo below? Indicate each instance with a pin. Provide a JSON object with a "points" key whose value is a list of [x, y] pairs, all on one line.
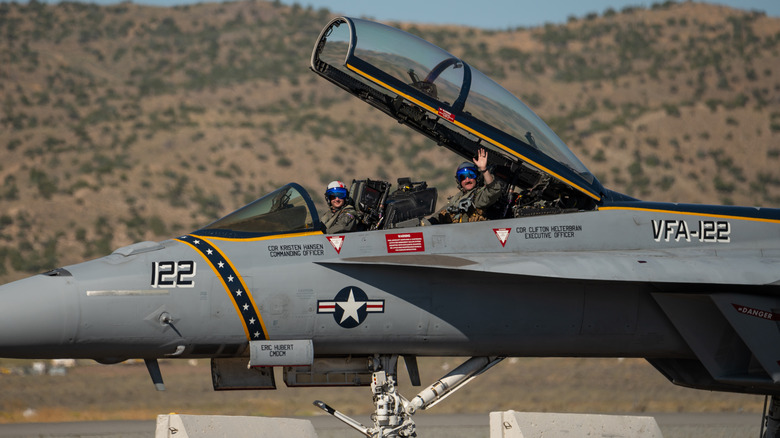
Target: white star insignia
{"points": [[351, 308], [251, 321], [209, 251], [239, 292], [221, 265], [230, 278], [196, 242], [246, 306], [257, 334]]}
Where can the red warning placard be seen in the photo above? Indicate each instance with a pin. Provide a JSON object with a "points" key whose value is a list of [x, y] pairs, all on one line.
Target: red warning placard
{"points": [[405, 242], [446, 115]]}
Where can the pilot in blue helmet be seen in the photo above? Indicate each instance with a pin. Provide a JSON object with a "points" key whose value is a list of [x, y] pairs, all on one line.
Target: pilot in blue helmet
{"points": [[341, 216], [478, 191]]}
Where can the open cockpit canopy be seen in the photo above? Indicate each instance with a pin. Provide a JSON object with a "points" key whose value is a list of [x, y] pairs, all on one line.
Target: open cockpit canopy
{"points": [[452, 103]]}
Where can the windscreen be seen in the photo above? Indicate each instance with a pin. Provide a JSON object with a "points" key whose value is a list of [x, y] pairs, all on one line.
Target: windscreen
{"points": [[288, 209]]}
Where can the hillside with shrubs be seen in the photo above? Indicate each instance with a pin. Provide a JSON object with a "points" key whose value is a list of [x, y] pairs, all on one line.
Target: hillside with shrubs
{"points": [[124, 123]]}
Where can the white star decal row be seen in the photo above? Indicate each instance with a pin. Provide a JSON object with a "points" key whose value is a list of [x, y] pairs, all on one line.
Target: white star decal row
{"points": [[233, 284]]}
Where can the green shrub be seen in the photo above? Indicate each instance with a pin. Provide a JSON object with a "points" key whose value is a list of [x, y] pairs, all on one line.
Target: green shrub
{"points": [[46, 185]]}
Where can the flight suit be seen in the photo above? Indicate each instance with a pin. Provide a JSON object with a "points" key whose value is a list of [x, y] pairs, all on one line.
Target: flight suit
{"points": [[470, 206], [342, 220]]}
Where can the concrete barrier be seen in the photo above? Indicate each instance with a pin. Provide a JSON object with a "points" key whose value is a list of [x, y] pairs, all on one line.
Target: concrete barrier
{"points": [[511, 424], [217, 426], [506, 424]]}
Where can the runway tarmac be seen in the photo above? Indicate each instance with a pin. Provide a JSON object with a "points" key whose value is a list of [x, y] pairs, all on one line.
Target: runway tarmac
{"points": [[685, 425]]}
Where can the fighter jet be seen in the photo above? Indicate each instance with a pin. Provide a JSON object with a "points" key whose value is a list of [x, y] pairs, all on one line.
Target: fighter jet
{"points": [[563, 266]]}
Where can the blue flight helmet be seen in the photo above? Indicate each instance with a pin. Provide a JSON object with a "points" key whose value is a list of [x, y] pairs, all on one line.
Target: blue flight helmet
{"points": [[336, 189], [466, 170]]}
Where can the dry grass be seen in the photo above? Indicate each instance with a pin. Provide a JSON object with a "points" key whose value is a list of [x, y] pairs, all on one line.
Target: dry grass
{"points": [[92, 392]]}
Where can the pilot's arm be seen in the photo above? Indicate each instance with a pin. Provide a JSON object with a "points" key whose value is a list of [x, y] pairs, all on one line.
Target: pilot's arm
{"points": [[491, 191], [481, 162], [488, 194]]}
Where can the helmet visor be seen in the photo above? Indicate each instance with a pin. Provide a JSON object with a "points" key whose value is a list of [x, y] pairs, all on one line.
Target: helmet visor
{"points": [[466, 172], [336, 192]]}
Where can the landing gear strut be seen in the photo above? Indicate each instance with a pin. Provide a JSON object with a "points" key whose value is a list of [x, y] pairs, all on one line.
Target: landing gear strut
{"points": [[771, 426], [392, 416]]}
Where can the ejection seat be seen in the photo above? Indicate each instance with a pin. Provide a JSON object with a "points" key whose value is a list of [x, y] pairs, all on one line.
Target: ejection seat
{"points": [[378, 208]]}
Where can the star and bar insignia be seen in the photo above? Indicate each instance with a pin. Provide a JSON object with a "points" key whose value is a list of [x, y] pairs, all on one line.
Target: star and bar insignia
{"points": [[350, 307]]}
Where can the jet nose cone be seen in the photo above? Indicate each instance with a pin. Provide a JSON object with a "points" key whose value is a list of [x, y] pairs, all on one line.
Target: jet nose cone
{"points": [[38, 316]]}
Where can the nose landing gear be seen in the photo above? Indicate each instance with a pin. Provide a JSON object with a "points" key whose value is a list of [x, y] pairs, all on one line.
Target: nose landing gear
{"points": [[393, 413]]}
